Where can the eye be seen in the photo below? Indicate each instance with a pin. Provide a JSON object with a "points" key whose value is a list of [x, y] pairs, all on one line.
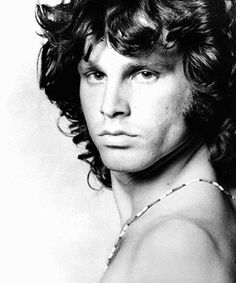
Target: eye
{"points": [[146, 76], [94, 77]]}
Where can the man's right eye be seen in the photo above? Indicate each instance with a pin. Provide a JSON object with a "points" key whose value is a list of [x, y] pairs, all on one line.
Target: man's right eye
{"points": [[94, 77]]}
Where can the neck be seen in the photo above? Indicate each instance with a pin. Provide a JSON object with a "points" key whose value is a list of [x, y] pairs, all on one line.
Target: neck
{"points": [[133, 191]]}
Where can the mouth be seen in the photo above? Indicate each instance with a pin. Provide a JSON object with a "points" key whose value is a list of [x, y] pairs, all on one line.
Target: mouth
{"points": [[117, 139], [116, 133]]}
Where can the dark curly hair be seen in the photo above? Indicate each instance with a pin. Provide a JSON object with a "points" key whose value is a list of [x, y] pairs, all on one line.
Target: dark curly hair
{"points": [[203, 30]]}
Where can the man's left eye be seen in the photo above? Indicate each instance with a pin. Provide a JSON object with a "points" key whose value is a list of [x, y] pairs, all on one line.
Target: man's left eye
{"points": [[146, 76]]}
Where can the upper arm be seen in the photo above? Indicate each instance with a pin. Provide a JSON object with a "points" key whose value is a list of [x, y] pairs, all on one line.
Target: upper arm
{"points": [[178, 252]]}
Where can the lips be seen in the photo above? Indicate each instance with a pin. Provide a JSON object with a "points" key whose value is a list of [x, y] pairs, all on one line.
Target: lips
{"points": [[116, 133], [117, 139]]}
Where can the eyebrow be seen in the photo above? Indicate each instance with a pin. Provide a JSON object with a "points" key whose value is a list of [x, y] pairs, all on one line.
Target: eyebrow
{"points": [[88, 65]]}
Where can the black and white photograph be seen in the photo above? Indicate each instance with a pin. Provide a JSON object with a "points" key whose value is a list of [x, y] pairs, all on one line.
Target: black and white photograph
{"points": [[118, 145]]}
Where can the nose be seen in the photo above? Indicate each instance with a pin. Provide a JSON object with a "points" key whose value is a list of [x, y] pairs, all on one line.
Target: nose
{"points": [[115, 101]]}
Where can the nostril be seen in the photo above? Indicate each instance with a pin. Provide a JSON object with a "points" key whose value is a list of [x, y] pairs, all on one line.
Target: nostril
{"points": [[113, 111]]}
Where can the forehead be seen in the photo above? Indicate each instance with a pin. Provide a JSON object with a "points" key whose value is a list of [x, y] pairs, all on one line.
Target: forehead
{"points": [[103, 54]]}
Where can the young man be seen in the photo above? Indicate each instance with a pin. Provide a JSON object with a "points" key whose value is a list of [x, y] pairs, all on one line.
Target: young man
{"points": [[149, 86]]}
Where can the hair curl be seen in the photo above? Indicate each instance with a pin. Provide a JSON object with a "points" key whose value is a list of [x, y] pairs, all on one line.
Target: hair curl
{"points": [[205, 32]]}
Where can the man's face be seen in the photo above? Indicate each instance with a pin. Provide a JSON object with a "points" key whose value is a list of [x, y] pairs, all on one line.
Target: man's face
{"points": [[134, 106]]}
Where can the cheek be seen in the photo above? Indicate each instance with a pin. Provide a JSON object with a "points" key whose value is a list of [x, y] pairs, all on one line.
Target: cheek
{"points": [[156, 109], [161, 113], [87, 106], [88, 102], [85, 98]]}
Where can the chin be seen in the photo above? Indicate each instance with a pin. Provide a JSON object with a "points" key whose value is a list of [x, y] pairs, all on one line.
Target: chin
{"points": [[129, 163]]}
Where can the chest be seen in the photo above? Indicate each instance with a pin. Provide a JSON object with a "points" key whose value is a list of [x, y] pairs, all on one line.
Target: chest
{"points": [[119, 268]]}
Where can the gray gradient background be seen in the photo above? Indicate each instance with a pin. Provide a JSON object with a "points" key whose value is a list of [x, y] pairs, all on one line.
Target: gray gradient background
{"points": [[53, 228]]}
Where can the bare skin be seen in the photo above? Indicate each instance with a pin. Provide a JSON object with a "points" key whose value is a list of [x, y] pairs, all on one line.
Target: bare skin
{"points": [[188, 237], [134, 109]]}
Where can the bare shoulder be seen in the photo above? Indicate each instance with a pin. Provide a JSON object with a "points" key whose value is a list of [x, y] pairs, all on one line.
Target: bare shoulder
{"points": [[177, 250]]}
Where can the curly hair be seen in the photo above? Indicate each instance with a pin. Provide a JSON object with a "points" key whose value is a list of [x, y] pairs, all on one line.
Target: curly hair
{"points": [[203, 30]]}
